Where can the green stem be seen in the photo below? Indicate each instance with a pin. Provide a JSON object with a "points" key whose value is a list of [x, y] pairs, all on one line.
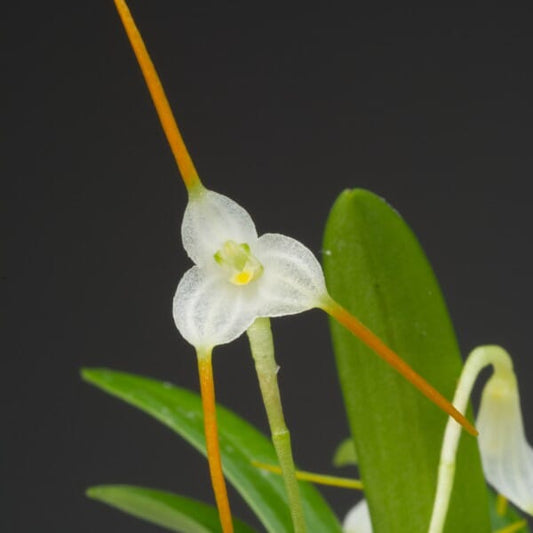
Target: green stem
{"points": [[477, 360], [262, 347]]}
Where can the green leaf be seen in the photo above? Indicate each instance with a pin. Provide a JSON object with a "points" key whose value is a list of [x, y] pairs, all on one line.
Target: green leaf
{"points": [[173, 512], [375, 267], [345, 454], [509, 516], [240, 444]]}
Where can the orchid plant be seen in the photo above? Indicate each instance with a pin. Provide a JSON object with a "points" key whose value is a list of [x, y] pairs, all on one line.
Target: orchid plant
{"points": [[239, 281]]}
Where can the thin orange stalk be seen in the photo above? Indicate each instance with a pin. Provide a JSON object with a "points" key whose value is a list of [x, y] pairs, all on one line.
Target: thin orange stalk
{"points": [[207, 390], [380, 348], [168, 122]]}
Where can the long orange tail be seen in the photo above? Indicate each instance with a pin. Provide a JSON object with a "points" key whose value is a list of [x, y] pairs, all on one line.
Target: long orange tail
{"points": [[168, 122], [380, 348]]}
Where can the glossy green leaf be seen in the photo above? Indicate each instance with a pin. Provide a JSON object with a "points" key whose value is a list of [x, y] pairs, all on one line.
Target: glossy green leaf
{"points": [[375, 267], [509, 516], [240, 444], [173, 512]]}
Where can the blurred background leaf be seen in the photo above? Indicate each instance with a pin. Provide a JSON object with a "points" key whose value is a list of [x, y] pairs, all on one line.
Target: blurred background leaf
{"points": [[345, 454]]}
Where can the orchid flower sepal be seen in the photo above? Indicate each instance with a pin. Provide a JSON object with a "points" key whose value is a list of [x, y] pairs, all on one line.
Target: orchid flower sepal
{"points": [[506, 456]]}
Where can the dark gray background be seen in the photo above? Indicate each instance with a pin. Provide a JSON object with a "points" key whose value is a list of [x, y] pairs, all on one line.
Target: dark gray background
{"points": [[281, 109]]}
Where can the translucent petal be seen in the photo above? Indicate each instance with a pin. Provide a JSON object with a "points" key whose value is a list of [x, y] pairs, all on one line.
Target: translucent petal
{"points": [[208, 310], [507, 457], [209, 221], [358, 519], [292, 280]]}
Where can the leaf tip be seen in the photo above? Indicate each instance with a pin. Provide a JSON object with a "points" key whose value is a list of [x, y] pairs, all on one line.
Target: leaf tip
{"points": [[95, 375], [86, 373], [93, 493], [357, 197]]}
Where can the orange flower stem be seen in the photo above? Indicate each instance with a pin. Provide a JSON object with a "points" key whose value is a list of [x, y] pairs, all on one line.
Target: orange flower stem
{"points": [[168, 122], [207, 390], [351, 323]]}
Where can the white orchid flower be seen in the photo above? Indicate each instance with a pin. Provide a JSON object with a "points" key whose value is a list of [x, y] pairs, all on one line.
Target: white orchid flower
{"points": [[506, 456], [238, 276]]}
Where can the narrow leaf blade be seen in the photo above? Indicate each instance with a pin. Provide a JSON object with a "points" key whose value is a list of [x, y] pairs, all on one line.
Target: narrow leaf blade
{"points": [[240, 444], [375, 267], [170, 511]]}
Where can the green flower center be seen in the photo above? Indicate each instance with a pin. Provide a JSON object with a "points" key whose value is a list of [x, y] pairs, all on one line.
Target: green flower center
{"points": [[238, 261]]}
